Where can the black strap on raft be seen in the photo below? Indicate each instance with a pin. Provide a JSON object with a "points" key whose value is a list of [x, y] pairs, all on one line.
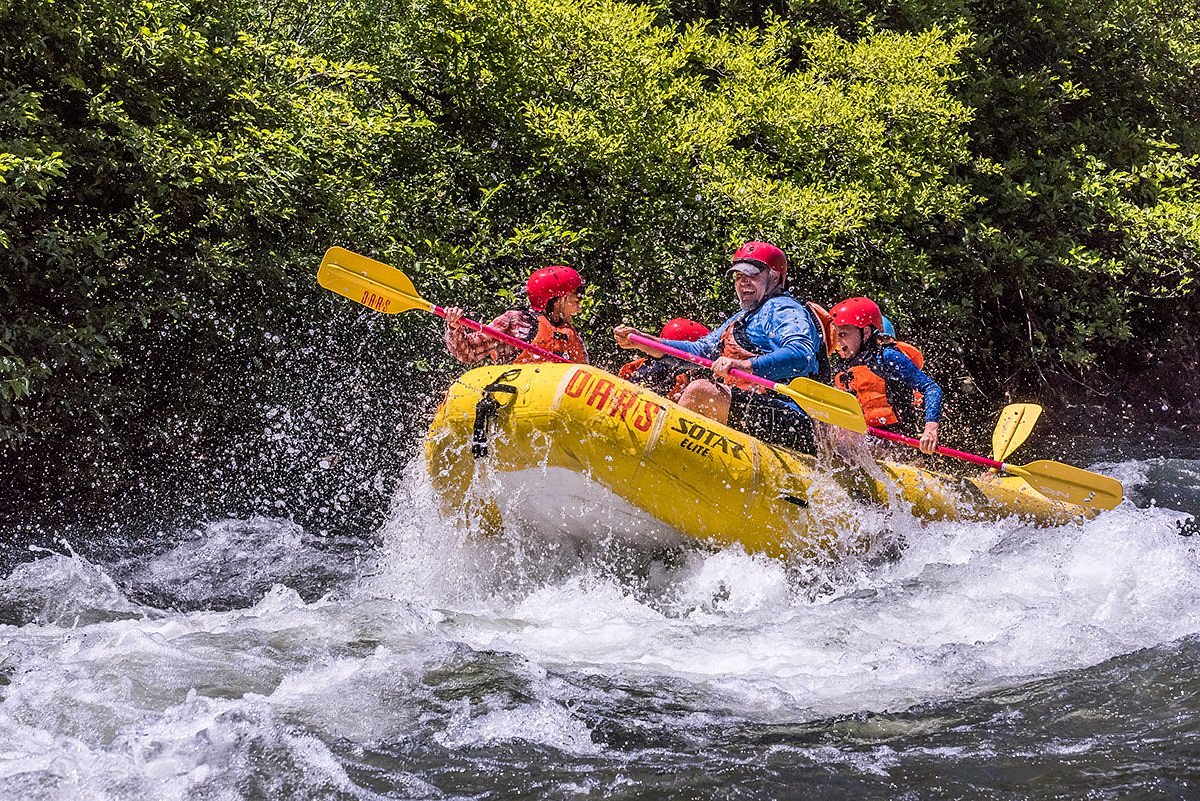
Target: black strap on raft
{"points": [[486, 411]]}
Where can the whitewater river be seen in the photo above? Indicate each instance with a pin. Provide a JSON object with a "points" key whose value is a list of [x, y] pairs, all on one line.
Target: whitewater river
{"points": [[989, 660]]}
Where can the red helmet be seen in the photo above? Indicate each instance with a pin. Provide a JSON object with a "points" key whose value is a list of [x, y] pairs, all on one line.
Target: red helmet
{"points": [[684, 329], [859, 312], [549, 283], [763, 255]]}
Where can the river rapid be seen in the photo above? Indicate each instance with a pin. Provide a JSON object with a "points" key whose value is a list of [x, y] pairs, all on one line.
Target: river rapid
{"points": [[248, 659]]}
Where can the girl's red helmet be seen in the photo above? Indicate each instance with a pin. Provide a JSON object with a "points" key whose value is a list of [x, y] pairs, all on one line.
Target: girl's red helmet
{"points": [[549, 283], [765, 256], [859, 312], [684, 329]]}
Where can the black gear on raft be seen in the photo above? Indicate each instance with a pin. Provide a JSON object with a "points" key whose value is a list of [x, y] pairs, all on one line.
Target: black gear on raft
{"points": [[486, 411]]}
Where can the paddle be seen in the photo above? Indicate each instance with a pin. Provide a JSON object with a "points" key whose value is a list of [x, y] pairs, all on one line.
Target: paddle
{"points": [[1013, 427], [1053, 479], [821, 402], [385, 289]]}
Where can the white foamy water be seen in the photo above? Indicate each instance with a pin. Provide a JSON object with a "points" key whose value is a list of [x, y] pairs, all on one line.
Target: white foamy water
{"points": [[968, 607], [440, 644]]}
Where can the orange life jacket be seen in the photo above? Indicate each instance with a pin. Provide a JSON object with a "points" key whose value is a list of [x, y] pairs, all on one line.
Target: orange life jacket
{"points": [[681, 383], [872, 391], [561, 339], [912, 352], [825, 320], [731, 348], [629, 368]]}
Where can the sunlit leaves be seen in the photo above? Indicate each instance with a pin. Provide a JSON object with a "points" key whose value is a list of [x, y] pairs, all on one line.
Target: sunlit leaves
{"points": [[159, 160]]}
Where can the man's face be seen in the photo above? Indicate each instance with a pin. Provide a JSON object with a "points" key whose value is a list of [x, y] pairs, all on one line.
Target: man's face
{"points": [[751, 289]]}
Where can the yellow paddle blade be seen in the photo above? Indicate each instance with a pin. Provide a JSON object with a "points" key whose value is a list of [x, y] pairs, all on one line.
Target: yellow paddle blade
{"points": [[372, 283], [1013, 427], [1062, 482], [825, 403]]}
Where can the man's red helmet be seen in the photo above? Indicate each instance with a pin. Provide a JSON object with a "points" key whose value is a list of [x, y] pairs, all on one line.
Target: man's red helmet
{"points": [[684, 329], [762, 255], [549, 283], [859, 312]]}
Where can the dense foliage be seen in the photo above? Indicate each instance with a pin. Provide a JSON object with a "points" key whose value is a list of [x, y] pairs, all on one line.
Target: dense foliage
{"points": [[1080, 247], [1015, 182]]}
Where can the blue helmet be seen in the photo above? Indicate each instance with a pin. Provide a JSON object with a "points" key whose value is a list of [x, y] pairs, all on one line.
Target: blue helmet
{"points": [[888, 328]]}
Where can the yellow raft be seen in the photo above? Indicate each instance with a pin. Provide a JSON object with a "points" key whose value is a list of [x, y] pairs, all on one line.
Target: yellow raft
{"points": [[577, 449]]}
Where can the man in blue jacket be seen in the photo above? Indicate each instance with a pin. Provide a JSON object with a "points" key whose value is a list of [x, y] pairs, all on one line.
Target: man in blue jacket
{"points": [[773, 335]]}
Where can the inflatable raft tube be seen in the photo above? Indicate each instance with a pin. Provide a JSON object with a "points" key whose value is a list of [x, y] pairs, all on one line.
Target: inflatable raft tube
{"points": [[572, 449]]}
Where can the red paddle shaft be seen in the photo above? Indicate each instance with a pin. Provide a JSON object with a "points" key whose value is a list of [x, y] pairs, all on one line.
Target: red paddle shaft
{"points": [[878, 432], [916, 443], [700, 360], [507, 339]]}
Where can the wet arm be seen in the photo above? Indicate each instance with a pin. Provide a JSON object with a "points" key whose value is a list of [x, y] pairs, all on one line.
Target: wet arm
{"points": [[895, 366], [469, 347]]}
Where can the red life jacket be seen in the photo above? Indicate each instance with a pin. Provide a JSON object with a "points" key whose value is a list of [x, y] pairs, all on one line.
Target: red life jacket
{"points": [[732, 348], [561, 339]]}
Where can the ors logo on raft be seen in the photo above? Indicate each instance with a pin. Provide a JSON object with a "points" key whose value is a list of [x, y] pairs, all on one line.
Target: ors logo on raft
{"points": [[602, 393]]}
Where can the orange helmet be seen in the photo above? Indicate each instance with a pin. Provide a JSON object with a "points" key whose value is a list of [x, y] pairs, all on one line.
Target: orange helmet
{"points": [[549, 283], [859, 312], [681, 328]]}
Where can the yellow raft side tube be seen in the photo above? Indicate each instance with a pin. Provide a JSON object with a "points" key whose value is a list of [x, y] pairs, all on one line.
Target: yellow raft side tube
{"points": [[701, 478]]}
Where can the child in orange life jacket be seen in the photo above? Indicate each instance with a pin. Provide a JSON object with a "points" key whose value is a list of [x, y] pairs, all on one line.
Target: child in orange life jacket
{"points": [[666, 376], [880, 375], [554, 299]]}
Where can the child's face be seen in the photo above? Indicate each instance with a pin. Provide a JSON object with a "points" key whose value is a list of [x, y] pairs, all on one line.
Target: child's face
{"points": [[568, 305], [849, 340]]}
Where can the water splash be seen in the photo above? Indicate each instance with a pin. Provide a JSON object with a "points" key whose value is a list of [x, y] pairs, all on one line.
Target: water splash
{"points": [[212, 668]]}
